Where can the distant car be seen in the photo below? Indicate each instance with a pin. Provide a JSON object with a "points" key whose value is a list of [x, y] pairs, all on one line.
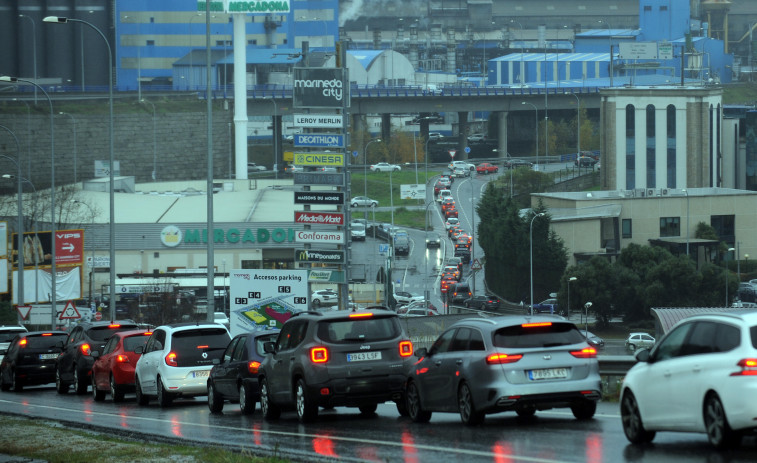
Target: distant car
{"points": [[222, 318], [363, 201], [453, 270], [404, 297], [515, 163], [433, 240], [326, 169], [30, 359], [585, 161], [447, 203], [450, 212], [293, 169], [486, 168], [476, 137], [252, 167], [418, 312], [459, 292], [385, 167], [482, 302], [593, 340], [459, 172], [547, 306], [113, 370], [443, 194], [636, 341], [445, 284], [235, 376], [435, 136], [7, 333], [451, 222], [462, 164], [357, 231], [324, 297]]}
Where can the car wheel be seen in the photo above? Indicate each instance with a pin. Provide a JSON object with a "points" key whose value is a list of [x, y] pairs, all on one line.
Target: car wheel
{"points": [[164, 397], [526, 412], [142, 399], [60, 385], [215, 401], [630, 416], [269, 410], [483, 307], [97, 394], [316, 302], [354, 204], [632, 347], [368, 409], [402, 407], [116, 391], [16, 384], [306, 409], [3, 385], [374, 204], [413, 400], [246, 404], [584, 410], [719, 432], [80, 383], [468, 413]]}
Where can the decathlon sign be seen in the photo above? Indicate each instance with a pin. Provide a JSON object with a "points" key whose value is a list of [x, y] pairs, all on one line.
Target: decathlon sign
{"points": [[312, 236], [319, 218], [319, 140], [239, 6], [320, 88]]}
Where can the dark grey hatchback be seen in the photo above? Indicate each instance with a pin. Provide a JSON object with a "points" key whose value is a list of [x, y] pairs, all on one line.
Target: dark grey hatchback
{"points": [[342, 358]]}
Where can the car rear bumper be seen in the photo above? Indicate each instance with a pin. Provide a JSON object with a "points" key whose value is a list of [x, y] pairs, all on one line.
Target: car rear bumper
{"points": [[358, 391], [36, 374]]}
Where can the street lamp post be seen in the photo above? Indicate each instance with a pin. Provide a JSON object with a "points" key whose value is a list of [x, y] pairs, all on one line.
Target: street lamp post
{"points": [[522, 69], [570, 280], [92, 270], [365, 168], [578, 126], [531, 240], [111, 167], [73, 120], [425, 274], [275, 137], [34, 51], [586, 308], [686, 192], [536, 128], [53, 269], [730, 250], [20, 225], [154, 142]]}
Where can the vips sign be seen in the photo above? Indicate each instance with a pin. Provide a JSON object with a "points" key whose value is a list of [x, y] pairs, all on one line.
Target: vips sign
{"points": [[319, 256], [320, 88], [319, 218]]}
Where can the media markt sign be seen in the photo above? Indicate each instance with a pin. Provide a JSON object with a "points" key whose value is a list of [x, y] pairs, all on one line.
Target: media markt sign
{"points": [[239, 6], [318, 256]]}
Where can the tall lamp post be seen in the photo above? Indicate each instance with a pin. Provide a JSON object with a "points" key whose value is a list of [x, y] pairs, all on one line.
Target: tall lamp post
{"points": [[425, 275], [536, 128], [20, 299], [53, 269], [522, 69], [570, 280], [587, 306], [73, 120], [92, 270], [154, 142], [578, 126], [365, 166], [34, 51], [730, 250], [111, 167], [35, 255], [686, 192], [531, 239], [275, 137]]}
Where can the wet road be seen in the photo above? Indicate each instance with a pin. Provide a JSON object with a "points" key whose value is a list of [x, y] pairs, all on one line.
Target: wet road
{"points": [[551, 436]]}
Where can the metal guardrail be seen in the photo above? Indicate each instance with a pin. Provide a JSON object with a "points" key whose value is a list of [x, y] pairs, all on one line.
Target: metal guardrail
{"points": [[615, 365]]}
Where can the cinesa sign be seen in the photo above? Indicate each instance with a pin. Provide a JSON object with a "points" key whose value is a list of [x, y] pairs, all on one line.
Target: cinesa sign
{"points": [[319, 88]]}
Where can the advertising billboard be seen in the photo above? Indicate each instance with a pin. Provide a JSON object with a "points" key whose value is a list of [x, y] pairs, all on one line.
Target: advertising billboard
{"points": [[69, 248], [320, 88]]}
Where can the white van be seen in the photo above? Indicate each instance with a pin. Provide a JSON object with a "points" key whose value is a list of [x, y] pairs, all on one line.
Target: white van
{"points": [[443, 194]]}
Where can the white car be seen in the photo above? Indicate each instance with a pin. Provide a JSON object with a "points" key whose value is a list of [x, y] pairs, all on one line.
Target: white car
{"points": [[176, 361], [363, 201], [451, 222], [443, 194], [403, 297], [385, 167], [699, 378], [639, 340], [324, 297], [221, 318], [435, 136], [252, 167], [475, 137], [7, 333], [462, 164]]}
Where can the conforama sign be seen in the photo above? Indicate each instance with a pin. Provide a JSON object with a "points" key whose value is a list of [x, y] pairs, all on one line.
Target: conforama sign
{"points": [[320, 88]]}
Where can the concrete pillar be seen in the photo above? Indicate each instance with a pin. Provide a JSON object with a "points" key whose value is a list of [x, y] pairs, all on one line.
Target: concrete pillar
{"points": [[502, 135], [423, 126], [462, 136], [386, 127]]}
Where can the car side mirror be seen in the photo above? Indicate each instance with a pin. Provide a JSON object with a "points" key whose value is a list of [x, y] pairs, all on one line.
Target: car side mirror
{"points": [[643, 355], [139, 350], [269, 347], [94, 354], [422, 352]]}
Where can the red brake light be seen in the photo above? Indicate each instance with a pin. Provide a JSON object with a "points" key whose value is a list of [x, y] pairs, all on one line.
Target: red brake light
{"points": [[536, 325], [114, 326], [253, 366], [361, 315], [47, 334], [22, 342], [319, 355], [585, 353], [85, 349], [171, 360], [406, 348], [149, 333], [748, 368], [500, 359], [202, 347], [122, 359]]}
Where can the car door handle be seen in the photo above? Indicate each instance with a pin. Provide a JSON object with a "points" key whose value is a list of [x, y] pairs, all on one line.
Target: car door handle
{"points": [[438, 363]]}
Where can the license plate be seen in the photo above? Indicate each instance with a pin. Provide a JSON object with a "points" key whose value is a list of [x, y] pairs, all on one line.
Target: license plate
{"points": [[201, 373], [548, 373], [48, 356], [363, 356]]}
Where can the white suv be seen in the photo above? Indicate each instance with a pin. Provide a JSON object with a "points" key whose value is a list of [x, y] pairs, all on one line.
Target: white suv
{"points": [[461, 164], [176, 361]]}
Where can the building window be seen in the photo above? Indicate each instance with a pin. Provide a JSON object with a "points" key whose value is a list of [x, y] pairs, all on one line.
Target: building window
{"points": [[630, 147], [664, 8], [651, 152], [670, 226], [725, 227], [627, 228], [150, 43], [647, 7], [671, 144]]}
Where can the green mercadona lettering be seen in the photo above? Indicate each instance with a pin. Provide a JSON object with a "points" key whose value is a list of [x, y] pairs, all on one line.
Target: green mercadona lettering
{"points": [[236, 235]]}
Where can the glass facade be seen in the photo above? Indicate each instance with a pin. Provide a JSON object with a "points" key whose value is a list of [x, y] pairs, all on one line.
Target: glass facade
{"points": [[651, 151], [630, 147], [671, 144]]}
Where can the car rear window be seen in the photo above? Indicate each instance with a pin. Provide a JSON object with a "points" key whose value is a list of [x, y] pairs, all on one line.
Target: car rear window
{"points": [[7, 335], [132, 342], [199, 346], [103, 333], [38, 341], [537, 335], [359, 330]]}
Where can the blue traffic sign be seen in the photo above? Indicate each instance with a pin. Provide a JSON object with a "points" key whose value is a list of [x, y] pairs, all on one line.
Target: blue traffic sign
{"points": [[467, 150]]}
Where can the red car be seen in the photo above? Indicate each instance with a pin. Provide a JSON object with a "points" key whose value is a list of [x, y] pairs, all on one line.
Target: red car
{"points": [[446, 283], [113, 370], [450, 213], [486, 168]]}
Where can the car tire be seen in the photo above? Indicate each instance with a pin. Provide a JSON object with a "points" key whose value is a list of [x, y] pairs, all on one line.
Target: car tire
{"points": [[142, 399], [584, 410], [164, 397], [483, 307], [468, 413], [60, 385], [97, 394], [316, 302], [719, 432], [413, 400], [402, 406], [246, 404], [80, 383], [16, 384], [116, 391], [353, 204], [374, 204], [215, 401], [369, 409], [307, 410], [632, 347], [3, 385], [269, 410], [630, 417]]}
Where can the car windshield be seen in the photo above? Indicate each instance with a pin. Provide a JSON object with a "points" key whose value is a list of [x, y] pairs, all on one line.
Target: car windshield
{"points": [[358, 227], [360, 330], [537, 335], [103, 333]]}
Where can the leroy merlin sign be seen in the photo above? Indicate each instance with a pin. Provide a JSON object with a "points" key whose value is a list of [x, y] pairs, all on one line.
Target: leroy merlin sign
{"points": [[239, 6]]}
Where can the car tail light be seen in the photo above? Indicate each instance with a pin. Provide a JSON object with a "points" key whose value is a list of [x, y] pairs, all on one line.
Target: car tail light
{"points": [[585, 353], [22, 342], [748, 368], [122, 359], [114, 326], [536, 325], [171, 360], [85, 349], [500, 359], [319, 355], [203, 346], [47, 334], [361, 315], [253, 366], [406, 348], [149, 333]]}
